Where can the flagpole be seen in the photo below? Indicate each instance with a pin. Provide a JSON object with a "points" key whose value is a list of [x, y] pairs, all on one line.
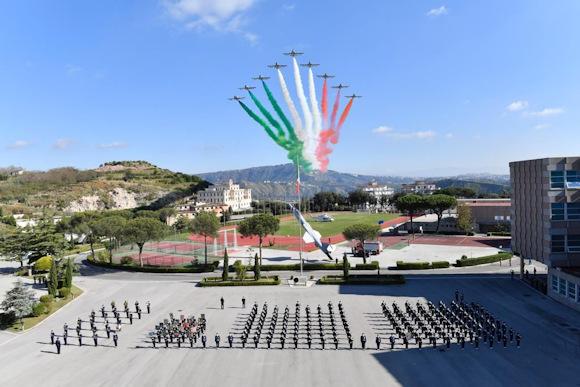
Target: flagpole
{"points": [[298, 191]]}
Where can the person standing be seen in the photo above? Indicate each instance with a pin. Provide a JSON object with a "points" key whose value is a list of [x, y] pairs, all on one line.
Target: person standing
{"points": [[130, 318], [52, 337], [378, 342], [363, 341], [222, 302], [244, 302], [204, 340], [148, 307], [95, 338], [80, 336], [115, 338], [57, 343], [231, 340], [217, 339]]}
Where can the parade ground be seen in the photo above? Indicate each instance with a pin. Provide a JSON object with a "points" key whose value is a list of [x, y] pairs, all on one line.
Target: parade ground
{"points": [[548, 354]]}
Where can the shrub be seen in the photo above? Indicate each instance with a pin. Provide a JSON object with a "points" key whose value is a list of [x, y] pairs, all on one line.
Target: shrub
{"points": [[440, 264], [374, 265], [38, 309], [64, 292], [126, 260], [413, 265], [216, 281], [43, 264], [482, 260], [103, 256], [159, 269], [46, 299]]}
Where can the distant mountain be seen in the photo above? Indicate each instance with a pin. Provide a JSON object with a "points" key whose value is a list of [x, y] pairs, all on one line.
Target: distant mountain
{"points": [[278, 181]]}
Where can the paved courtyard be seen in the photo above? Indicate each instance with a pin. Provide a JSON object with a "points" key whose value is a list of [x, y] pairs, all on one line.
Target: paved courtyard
{"points": [[548, 355]]}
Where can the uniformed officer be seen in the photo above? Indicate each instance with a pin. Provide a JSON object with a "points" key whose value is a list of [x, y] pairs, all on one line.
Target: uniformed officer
{"points": [[153, 341], [204, 340], [95, 338], [378, 342], [363, 341], [217, 339], [80, 337], [295, 342], [166, 341], [392, 341], [65, 337], [231, 340], [243, 302], [57, 343], [148, 307], [130, 318], [52, 337], [191, 341], [115, 338], [222, 302]]}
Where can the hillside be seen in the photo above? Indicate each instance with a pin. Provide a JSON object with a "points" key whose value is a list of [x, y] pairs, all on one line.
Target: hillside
{"points": [[278, 181], [114, 185]]}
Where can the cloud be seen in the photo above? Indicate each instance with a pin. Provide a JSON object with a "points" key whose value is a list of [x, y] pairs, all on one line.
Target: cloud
{"points": [[289, 7], [382, 129], [449, 135], [220, 15], [516, 106], [18, 144], [390, 132], [547, 112], [542, 126], [113, 145], [72, 69], [435, 12], [62, 143]]}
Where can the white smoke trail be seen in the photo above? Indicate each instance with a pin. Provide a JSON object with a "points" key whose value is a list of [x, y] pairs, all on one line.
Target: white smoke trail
{"points": [[296, 121], [309, 154], [316, 118]]}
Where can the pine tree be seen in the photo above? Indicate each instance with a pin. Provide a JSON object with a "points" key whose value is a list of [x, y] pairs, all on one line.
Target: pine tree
{"points": [[68, 274], [53, 279], [19, 301], [345, 266], [256, 267], [226, 266]]}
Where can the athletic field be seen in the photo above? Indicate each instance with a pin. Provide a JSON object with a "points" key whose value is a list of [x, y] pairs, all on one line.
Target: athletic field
{"points": [[289, 225]]}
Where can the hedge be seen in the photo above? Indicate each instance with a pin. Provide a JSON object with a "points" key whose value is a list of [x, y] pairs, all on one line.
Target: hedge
{"points": [[201, 268], [361, 279], [374, 265], [499, 233], [216, 281], [46, 299], [39, 309], [482, 260], [64, 292], [421, 265]]}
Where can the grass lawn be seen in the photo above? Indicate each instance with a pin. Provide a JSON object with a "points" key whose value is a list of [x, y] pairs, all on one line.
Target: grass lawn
{"points": [[341, 221], [29, 322]]}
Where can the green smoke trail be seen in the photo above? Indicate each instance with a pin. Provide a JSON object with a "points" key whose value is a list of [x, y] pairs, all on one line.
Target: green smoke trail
{"points": [[256, 118], [276, 106], [268, 116]]}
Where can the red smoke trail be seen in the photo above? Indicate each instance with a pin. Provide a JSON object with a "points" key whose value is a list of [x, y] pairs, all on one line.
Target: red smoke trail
{"points": [[343, 116]]}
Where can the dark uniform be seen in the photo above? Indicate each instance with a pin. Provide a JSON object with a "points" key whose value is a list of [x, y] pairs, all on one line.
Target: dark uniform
{"points": [[115, 338], [222, 302], [57, 343], [363, 341]]}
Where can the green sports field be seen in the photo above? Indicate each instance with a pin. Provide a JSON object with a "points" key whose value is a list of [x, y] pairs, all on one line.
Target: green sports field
{"points": [[289, 226]]}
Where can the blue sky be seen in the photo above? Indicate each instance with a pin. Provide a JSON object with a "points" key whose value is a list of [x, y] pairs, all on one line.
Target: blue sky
{"points": [[449, 86]]}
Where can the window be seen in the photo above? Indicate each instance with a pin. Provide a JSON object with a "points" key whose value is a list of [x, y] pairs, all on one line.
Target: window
{"points": [[498, 217], [573, 210], [562, 287], [558, 243], [571, 290], [557, 179], [573, 176], [554, 283], [558, 211], [574, 243]]}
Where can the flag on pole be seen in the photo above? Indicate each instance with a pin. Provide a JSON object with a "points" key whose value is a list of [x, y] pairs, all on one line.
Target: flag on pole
{"points": [[298, 185]]}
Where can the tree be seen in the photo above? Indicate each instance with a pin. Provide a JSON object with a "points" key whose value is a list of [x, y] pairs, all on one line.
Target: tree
{"points": [[181, 225], [241, 271], [226, 266], [143, 230], [44, 239], [14, 245], [361, 232], [345, 266], [360, 198], [411, 205], [53, 278], [68, 274], [207, 225], [464, 219], [166, 213], [257, 273], [19, 301], [438, 204], [259, 225], [111, 227]]}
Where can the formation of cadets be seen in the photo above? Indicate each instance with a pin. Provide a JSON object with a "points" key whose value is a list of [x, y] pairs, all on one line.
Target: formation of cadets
{"points": [[459, 322], [314, 331], [107, 322], [180, 331]]}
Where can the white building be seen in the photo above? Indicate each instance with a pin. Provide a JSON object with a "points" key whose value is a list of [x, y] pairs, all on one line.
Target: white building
{"points": [[419, 187], [379, 191], [229, 194]]}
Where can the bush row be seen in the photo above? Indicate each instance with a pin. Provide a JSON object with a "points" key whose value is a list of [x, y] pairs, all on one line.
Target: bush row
{"points": [[374, 265], [363, 280], [481, 260], [499, 233], [216, 281], [201, 268], [421, 265]]}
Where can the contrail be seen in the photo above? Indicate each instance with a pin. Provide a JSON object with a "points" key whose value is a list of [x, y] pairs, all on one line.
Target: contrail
{"points": [[343, 116], [310, 156], [293, 111]]}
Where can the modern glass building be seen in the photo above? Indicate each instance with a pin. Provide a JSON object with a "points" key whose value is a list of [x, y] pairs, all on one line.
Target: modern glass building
{"points": [[546, 221]]}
